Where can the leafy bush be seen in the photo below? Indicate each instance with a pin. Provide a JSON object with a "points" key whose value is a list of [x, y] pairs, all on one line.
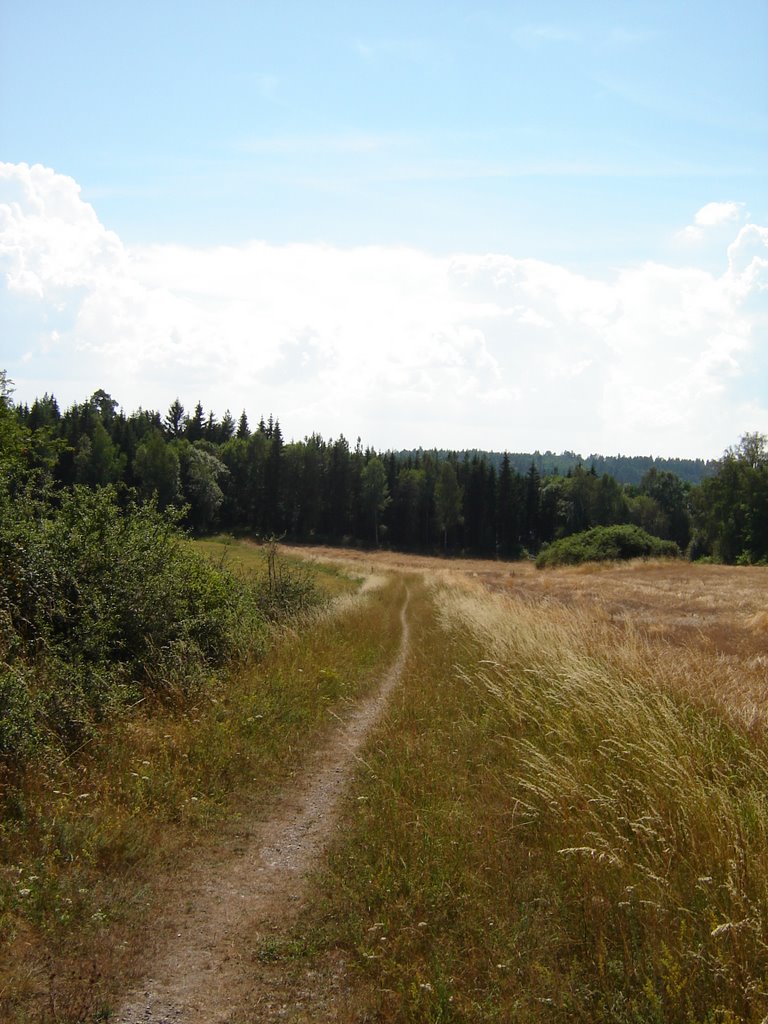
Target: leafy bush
{"points": [[19, 733], [99, 603], [110, 586], [606, 543]]}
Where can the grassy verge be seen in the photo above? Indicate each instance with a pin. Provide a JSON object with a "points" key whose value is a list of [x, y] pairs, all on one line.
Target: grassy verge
{"points": [[549, 828], [251, 559], [88, 840]]}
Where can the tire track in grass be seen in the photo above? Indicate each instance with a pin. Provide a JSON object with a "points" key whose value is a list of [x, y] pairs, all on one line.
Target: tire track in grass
{"points": [[209, 969]]}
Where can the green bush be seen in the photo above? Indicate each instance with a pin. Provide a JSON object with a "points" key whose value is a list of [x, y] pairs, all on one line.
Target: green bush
{"points": [[19, 729], [99, 603], [606, 543], [110, 586]]}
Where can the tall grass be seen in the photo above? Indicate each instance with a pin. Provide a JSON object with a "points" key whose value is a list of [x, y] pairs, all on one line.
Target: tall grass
{"points": [[553, 826], [650, 810]]}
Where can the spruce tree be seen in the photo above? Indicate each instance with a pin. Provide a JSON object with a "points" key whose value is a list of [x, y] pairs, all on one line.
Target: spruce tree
{"points": [[243, 430], [174, 419]]}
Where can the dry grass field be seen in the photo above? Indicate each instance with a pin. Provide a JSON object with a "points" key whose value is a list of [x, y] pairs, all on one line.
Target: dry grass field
{"points": [[715, 615], [566, 816], [724, 607]]}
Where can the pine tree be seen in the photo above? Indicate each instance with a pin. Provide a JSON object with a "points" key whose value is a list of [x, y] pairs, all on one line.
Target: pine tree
{"points": [[174, 419], [448, 500], [156, 466], [531, 512], [375, 492], [211, 430], [243, 430], [194, 425], [273, 505], [226, 427], [338, 496]]}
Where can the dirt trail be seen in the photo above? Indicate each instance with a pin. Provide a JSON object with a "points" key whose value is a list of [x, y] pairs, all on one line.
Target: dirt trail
{"points": [[206, 968]]}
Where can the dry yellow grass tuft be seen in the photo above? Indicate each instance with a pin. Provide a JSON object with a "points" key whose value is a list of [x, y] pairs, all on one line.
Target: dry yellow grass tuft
{"points": [[759, 622]]}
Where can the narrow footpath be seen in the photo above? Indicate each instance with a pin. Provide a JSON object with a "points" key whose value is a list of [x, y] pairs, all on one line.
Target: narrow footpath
{"points": [[207, 973]]}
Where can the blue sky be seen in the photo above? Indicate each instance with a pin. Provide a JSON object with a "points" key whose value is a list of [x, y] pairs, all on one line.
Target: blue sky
{"points": [[519, 209]]}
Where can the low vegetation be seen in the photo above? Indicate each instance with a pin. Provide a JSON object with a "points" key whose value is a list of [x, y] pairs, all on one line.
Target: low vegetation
{"points": [[560, 822], [564, 817], [605, 544], [90, 835], [101, 605]]}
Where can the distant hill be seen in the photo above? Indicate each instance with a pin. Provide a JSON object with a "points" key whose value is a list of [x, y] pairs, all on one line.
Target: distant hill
{"points": [[627, 469]]}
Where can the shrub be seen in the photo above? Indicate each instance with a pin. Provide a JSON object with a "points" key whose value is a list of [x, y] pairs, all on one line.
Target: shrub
{"points": [[19, 731], [606, 543], [287, 589], [99, 603], [107, 585]]}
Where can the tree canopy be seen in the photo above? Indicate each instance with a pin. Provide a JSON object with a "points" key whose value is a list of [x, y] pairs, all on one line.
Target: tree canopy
{"points": [[222, 475]]}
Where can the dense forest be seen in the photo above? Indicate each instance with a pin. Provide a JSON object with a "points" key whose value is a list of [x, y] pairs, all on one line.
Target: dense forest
{"points": [[222, 474]]}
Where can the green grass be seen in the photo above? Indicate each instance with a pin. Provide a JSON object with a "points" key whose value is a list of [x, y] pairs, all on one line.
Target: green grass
{"points": [[413, 891], [250, 559], [88, 840]]}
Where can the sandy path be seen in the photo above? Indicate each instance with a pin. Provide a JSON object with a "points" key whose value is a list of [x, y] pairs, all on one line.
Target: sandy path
{"points": [[206, 968]]}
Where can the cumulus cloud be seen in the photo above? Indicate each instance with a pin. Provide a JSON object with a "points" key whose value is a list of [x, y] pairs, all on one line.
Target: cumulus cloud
{"points": [[748, 258], [713, 215], [397, 345]]}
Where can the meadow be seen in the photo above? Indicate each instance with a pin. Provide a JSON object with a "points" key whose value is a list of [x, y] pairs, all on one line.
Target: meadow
{"points": [[565, 815], [561, 817]]}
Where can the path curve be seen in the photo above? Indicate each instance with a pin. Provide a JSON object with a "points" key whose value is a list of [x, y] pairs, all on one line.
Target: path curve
{"points": [[204, 972]]}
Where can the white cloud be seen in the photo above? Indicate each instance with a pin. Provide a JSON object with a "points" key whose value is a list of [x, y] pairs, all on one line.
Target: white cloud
{"points": [[397, 345], [748, 258], [713, 215]]}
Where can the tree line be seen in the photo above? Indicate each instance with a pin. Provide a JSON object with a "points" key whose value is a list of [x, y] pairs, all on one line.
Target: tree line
{"points": [[627, 469], [227, 476]]}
